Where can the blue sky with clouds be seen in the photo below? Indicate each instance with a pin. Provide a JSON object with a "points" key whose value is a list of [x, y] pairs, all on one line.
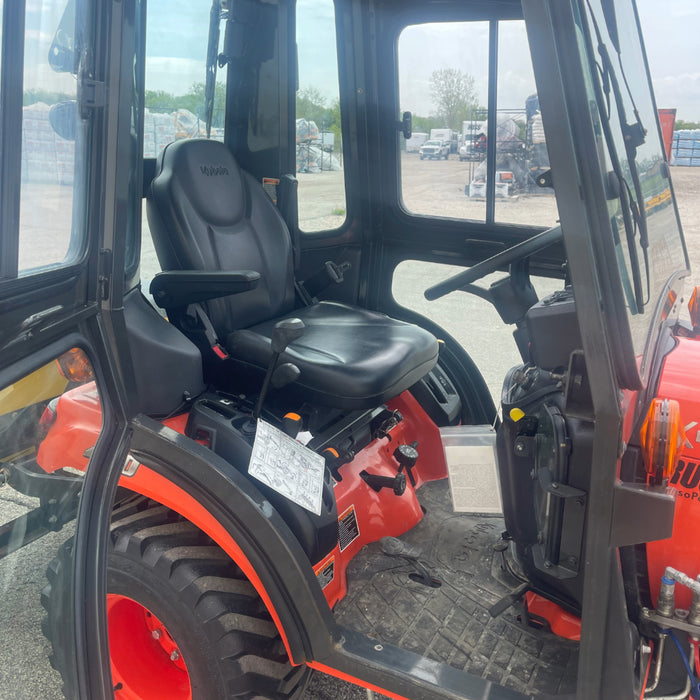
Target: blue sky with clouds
{"points": [[177, 36]]}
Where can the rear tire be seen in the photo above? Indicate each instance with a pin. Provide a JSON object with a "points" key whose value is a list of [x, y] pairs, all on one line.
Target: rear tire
{"points": [[184, 622]]}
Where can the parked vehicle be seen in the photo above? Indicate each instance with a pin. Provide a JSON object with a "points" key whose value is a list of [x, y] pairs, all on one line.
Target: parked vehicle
{"points": [[448, 136], [416, 140], [434, 149]]}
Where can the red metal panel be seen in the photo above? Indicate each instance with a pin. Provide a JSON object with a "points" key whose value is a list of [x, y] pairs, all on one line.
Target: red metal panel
{"points": [[667, 118]]}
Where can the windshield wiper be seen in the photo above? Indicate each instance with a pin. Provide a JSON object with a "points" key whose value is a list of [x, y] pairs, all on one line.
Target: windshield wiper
{"points": [[634, 135], [216, 14]]}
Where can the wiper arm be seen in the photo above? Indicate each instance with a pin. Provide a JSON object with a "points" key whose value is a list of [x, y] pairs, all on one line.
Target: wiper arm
{"points": [[633, 214], [215, 16]]}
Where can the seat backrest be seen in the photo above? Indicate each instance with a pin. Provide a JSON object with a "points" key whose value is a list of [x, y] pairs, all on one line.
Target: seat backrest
{"points": [[205, 213]]}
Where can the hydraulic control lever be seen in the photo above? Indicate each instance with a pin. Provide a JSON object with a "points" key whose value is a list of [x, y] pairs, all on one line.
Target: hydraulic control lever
{"points": [[284, 332], [378, 482]]}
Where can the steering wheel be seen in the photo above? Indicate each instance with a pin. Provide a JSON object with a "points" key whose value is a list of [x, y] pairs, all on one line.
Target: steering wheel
{"points": [[485, 267]]}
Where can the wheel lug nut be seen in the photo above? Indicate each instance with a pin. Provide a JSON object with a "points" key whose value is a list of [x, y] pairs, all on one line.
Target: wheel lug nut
{"points": [[157, 634], [175, 655]]}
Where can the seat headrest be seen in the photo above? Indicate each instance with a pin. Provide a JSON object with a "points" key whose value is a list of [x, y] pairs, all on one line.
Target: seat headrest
{"points": [[207, 175]]}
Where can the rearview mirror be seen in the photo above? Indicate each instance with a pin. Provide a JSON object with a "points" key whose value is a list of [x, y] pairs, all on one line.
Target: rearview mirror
{"points": [[63, 117]]}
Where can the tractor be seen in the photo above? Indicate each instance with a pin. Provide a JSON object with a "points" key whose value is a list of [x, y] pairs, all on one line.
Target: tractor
{"points": [[243, 436]]}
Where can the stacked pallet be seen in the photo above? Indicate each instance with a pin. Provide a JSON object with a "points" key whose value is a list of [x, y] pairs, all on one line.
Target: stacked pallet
{"points": [[686, 147]]}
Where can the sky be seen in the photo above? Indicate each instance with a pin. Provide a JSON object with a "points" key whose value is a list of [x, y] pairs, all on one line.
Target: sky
{"points": [[178, 34]]}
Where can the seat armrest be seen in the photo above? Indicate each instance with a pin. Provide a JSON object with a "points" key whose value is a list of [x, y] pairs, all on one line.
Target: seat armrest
{"points": [[180, 288]]}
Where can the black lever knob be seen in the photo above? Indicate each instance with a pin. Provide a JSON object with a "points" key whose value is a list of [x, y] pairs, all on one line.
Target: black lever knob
{"points": [[378, 482], [406, 455]]}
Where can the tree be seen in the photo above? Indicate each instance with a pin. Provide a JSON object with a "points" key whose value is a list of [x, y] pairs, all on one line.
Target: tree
{"points": [[311, 105], [165, 102], [681, 124], [453, 95], [425, 124]]}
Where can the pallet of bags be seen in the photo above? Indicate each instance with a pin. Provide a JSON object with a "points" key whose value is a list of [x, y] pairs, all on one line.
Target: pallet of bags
{"points": [[686, 147], [39, 162]]}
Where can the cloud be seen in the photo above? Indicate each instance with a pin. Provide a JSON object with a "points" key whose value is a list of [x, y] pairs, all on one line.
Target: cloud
{"points": [[174, 75], [681, 91]]}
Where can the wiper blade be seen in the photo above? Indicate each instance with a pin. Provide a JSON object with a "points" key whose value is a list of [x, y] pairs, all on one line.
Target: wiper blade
{"points": [[215, 16]]}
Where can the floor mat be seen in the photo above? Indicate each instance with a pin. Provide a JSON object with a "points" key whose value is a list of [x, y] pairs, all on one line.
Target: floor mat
{"points": [[451, 623]]}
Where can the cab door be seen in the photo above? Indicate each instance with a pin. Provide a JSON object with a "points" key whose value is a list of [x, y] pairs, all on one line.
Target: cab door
{"points": [[56, 294], [464, 72]]}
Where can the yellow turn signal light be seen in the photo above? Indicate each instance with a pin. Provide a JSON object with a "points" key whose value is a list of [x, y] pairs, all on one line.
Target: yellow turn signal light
{"points": [[75, 366], [662, 436], [694, 307]]}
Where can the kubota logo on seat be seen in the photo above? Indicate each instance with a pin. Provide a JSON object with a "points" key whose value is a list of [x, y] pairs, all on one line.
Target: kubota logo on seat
{"points": [[212, 170]]}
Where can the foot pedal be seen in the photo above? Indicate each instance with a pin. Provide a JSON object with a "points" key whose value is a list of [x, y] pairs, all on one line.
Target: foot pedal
{"points": [[504, 603], [394, 547]]}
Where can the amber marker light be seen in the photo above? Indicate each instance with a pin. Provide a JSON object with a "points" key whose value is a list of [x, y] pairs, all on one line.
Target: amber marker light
{"points": [[662, 436], [75, 366], [694, 308]]}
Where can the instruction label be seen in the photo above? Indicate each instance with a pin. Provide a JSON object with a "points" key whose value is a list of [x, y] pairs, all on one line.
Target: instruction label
{"points": [[348, 530], [326, 573], [287, 467]]}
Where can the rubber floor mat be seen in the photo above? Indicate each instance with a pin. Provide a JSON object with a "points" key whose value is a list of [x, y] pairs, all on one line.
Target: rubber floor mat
{"points": [[451, 623]]}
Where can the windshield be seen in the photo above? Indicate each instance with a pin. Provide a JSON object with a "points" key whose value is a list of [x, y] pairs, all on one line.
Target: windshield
{"points": [[648, 241]]}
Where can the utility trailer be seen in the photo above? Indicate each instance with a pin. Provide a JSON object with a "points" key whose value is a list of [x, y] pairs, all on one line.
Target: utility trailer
{"points": [[228, 438]]}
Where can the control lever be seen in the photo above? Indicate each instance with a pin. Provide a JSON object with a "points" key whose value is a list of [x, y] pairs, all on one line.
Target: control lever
{"points": [[378, 482], [284, 332]]}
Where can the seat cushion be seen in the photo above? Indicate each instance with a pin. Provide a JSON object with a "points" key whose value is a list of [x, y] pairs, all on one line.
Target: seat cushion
{"points": [[349, 357]]}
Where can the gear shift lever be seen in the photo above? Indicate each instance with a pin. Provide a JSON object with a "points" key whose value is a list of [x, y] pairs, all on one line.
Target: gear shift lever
{"points": [[284, 332]]}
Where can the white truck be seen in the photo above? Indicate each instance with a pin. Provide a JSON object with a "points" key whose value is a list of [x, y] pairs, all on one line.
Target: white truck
{"points": [[448, 136]]}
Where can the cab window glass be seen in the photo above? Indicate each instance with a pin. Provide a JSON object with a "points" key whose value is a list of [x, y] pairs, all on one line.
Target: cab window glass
{"points": [[51, 216], [175, 91], [176, 72], [50, 420], [649, 247], [319, 153], [444, 165], [443, 81], [521, 149]]}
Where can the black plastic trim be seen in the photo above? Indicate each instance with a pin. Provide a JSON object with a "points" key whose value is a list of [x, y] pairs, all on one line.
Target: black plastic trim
{"points": [[11, 85]]}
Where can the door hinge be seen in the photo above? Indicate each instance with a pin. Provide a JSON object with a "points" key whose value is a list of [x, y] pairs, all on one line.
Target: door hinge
{"points": [[105, 274], [91, 94]]}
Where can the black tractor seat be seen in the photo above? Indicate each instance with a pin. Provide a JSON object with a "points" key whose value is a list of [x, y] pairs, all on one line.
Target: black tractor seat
{"points": [[208, 215]]}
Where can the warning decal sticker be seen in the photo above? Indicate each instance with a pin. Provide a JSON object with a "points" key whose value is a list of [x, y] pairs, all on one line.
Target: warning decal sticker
{"points": [[326, 573], [347, 528]]}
